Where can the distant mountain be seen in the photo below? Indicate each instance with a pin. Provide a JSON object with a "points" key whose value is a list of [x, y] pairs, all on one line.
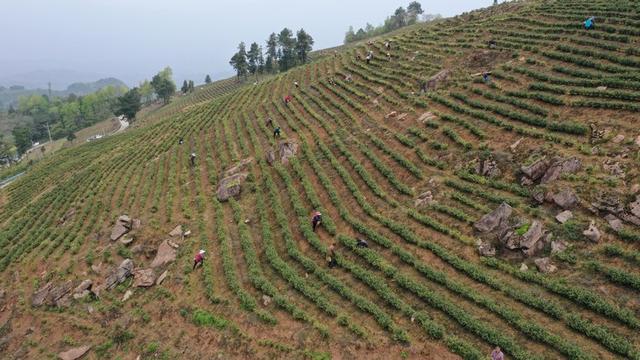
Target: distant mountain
{"points": [[11, 94], [59, 78]]}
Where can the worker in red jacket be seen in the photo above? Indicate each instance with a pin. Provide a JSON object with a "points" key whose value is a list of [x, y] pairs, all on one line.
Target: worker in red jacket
{"points": [[198, 259]]}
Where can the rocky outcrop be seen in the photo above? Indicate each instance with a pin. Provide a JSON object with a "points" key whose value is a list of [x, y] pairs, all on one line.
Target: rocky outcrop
{"points": [[566, 199], [487, 167], [52, 295], [545, 171], [165, 255], [177, 231], [592, 233], [634, 207], [75, 353], [608, 203], [143, 278], [231, 186], [558, 246], [559, 167], [424, 199], [438, 80], [492, 220], [119, 274], [426, 117], [286, 150], [545, 266], [530, 239], [123, 225]]}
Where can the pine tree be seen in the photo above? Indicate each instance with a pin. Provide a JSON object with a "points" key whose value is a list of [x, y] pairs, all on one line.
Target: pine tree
{"points": [[271, 63], [287, 44], [304, 45], [207, 79], [185, 87], [191, 86], [239, 61], [252, 58]]}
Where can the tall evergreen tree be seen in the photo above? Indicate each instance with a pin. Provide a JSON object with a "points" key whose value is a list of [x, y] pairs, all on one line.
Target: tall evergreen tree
{"points": [[207, 79], [260, 61], [191, 86], [239, 61], [129, 104], [304, 45], [413, 11], [163, 85], [252, 58], [271, 64], [287, 44], [185, 87]]}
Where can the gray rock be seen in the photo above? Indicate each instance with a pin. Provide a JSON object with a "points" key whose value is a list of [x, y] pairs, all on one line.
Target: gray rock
{"points": [[424, 199], [75, 353], [231, 186], [558, 246], [53, 295], [146, 250], [545, 266], [266, 300], [536, 170], [564, 216], [510, 240], [286, 150], [615, 223], [491, 221], [81, 295], [568, 166], [271, 157], [136, 224], [162, 276], [38, 298], [608, 202], [144, 278], [486, 249], [538, 195], [530, 239], [124, 219], [566, 199], [84, 285], [524, 267], [618, 139], [177, 231], [126, 240], [592, 233], [117, 231], [165, 255], [127, 295], [630, 218], [634, 207], [119, 274]]}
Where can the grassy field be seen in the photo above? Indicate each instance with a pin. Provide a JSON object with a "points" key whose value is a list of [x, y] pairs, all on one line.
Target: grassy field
{"points": [[369, 144]]}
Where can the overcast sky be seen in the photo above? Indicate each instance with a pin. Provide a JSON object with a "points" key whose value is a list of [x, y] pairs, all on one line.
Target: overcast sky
{"points": [[133, 39]]}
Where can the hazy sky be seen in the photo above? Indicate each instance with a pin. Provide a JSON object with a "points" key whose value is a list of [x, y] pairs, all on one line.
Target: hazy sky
{"points": [[133, 39]]}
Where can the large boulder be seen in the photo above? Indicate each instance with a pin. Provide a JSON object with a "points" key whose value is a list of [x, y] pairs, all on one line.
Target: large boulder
{"points": [[119, 274], [287, 149], [536, 170], [165, 255], [53, 295], [529, 240], [510, 239], [122, 226], [177, 231], [545, 266], [75, 353], [608, 203], [143, 278], [231, 186], [488, 168], [634, 207], [559, 167], [592, 233], [566, 199], [492, 220], [437, 80]]}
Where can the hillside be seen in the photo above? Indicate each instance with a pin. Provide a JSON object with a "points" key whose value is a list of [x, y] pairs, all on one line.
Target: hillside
{"points": [[500, 212]]}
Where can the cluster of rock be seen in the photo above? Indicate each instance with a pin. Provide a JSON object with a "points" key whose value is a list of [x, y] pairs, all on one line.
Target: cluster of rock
{"points": [[436, 81], [614, 211], [546, 170], [61, 295], [514, 235], [123, 226], [395, 115]]}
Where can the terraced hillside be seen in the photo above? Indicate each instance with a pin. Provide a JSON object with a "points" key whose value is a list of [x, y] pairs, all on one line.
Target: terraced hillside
{"points": [[553, 130]]}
